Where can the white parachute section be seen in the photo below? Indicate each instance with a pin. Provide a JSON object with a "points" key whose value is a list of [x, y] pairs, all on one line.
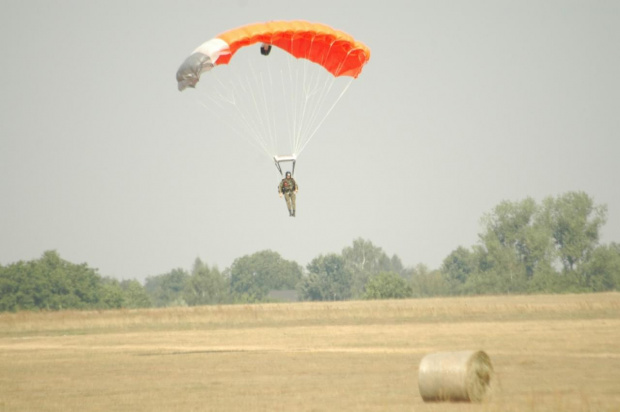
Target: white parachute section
{"points": [[276, 101]]}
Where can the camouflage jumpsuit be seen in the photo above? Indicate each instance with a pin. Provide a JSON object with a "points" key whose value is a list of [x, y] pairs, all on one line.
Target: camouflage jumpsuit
{"points": [[289, 187]]}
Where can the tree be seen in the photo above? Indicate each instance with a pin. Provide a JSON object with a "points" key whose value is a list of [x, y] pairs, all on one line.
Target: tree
{"points": [[575, 222], [363, 259], [206, 286], [524, 245], [516, 241], [167, 289], [328, 279], [387, 285], [17, 287], [516, 246], [253, 276], [602, 270], [51, 283], [110, 294], [134, 295], [426, 282], [457, 267]]}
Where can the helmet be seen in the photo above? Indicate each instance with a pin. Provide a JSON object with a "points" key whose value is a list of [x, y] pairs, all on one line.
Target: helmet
{"points": [[288, 174]]}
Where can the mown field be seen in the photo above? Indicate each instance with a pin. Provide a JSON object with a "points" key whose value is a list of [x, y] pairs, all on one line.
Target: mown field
{"points": [[550, 353]]}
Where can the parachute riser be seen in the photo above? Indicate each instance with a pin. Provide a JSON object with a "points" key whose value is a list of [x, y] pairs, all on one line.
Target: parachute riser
{"points": [[288, 158]]}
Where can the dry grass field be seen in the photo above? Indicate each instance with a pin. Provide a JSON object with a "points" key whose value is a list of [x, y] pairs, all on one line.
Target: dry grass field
{"points": [[550, 353]]}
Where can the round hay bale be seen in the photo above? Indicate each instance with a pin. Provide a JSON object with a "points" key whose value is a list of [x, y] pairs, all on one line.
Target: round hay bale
{"points": [[455, 376]]}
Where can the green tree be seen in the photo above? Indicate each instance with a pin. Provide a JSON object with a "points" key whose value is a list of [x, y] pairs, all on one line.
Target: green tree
{"points": [[49, 283], [516, 246], [134, 295], [387, 285], [426, 282], [167, 289], [575, 222], [206, 286], [110, 294], [457, 267], [69, 286], [602, 270], [524, 244], [328, 279], [363, 260], [516, 242], [17, 287], [253, 276]]}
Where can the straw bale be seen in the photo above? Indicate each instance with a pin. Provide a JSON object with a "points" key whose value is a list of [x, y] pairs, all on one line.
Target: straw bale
{"points": [[455, 376]]}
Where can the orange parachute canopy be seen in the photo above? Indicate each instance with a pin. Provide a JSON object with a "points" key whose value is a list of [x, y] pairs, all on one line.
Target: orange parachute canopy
{"points": [[333, 49], [339, 53]]}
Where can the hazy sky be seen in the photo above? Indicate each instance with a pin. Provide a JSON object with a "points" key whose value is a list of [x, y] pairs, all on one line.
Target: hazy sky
{"points": [[463, 104]]}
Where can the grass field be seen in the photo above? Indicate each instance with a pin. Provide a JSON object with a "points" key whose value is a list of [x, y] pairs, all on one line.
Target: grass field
{"points": [[550, 353]]}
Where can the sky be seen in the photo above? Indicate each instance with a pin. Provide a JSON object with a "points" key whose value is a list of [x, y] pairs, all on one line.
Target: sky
{"points": [[463, 105]]}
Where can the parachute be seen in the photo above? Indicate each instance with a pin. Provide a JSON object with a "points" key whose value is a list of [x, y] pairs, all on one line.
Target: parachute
{"points": [[278, 99]]}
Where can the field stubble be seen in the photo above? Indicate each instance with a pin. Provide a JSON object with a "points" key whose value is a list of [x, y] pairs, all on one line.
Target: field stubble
{"points": [[549, 353]]}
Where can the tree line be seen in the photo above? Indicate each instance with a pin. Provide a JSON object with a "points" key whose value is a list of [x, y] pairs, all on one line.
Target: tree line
{"points": [[524, 247]]}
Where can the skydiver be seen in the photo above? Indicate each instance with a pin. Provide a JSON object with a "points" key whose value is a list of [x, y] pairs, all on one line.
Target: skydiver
{"points": [[265, 49], [289, 188]]}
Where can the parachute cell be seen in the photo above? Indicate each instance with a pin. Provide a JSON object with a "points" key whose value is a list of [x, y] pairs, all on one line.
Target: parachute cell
{"points": [[333, 49]]}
